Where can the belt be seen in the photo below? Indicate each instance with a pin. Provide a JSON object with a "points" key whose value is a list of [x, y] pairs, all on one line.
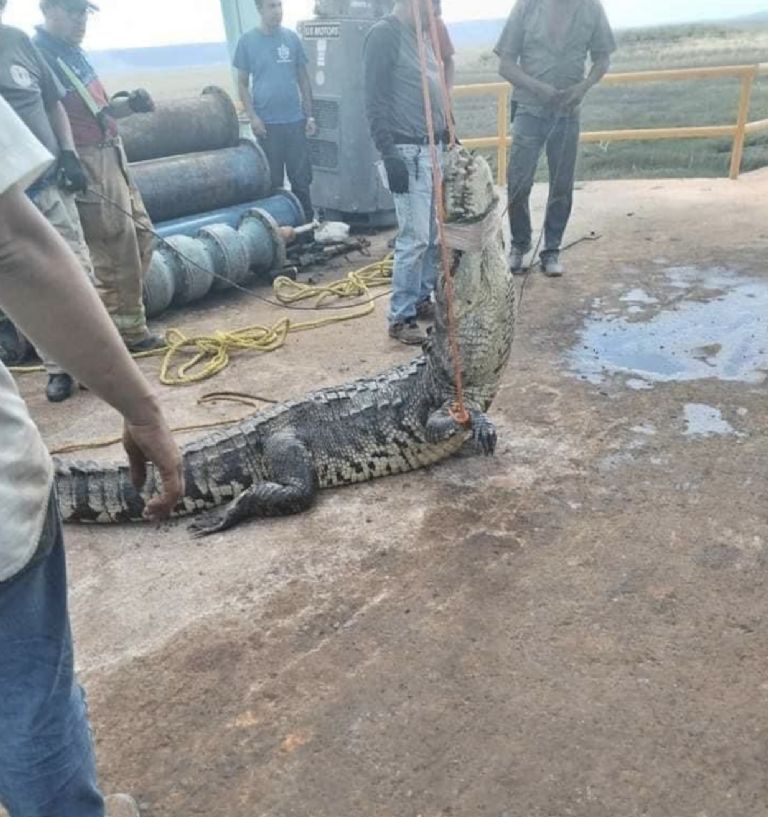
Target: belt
{"points": [[405, 139], [107, 142]]}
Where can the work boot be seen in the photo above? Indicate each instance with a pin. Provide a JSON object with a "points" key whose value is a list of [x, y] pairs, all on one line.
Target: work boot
{"points": [[120, 805], [407, 332], [425, 310], [551, 266], [516, 261], [147, 344], [60, 388]]}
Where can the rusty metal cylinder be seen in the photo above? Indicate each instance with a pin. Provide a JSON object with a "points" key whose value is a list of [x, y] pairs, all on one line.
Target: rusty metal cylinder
{"points": [[198, 182], [179, 126]]}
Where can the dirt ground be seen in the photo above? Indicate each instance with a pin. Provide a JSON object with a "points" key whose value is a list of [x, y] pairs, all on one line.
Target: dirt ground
{"points": [[576, 627]]}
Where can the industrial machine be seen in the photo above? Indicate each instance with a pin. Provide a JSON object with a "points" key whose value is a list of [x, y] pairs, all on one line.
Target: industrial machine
{"points": [[347, 186]]}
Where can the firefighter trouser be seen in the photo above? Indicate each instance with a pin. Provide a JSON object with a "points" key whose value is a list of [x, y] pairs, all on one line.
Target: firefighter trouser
{"points": [[120, 245], [60, 212]]}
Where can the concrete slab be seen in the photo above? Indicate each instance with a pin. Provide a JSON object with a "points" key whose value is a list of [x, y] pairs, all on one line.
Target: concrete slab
{"points": [[576, 627]]}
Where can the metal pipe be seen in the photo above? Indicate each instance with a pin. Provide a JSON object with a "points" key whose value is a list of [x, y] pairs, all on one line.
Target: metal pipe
{"points": [[200, 182], [180, 126], [283, 206], [185, 269]]}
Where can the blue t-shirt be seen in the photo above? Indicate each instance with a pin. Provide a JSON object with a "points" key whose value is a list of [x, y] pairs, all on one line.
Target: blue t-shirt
{"points": [[273, 61]]}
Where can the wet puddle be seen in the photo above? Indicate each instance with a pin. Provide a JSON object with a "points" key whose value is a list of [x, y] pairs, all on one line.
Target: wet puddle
{"points": [[702, 420], [699, 324]]}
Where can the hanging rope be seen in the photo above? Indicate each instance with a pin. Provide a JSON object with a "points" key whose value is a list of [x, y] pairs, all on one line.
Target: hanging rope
{"points": [[458, 410]]}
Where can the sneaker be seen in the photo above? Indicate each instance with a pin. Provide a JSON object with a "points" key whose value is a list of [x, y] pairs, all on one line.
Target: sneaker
{"points": [[148, 344], [551, 266], [408, 333], [425, 311], [516, 261], [60, 388], [120, 805]]}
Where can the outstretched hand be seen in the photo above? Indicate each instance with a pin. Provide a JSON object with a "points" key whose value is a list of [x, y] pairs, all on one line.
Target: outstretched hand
{"points": [[152, 442]]}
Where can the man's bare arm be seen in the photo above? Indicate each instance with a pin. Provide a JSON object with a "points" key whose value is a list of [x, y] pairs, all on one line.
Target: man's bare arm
{"points": [[574, 95], [41, 278], [512, 72], [449, 67], [307, 101], [244, 92]]}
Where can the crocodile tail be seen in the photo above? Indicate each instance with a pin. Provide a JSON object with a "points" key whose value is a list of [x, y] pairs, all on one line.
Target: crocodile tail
{"points": [[99, 492]]}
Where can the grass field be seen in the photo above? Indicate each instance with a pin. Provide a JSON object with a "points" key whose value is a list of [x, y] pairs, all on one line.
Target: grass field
{"points": [[635, 106], [655, 104]]}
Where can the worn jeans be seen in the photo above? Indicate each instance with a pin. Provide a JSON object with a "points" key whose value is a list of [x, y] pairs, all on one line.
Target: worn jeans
{"points": [[416, 250], [287, 151], [46, 756], [560, 136]]}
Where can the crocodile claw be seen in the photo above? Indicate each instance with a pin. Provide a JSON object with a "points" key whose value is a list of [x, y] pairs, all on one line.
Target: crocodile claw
{"points": [[484, 434], [208, 523]]}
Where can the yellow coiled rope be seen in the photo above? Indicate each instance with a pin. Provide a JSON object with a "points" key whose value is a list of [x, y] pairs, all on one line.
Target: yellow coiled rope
{"points": [[207, 355]]}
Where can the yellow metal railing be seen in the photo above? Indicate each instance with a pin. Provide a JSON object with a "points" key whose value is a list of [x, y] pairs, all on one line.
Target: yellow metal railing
{"points": [[737, 132]]}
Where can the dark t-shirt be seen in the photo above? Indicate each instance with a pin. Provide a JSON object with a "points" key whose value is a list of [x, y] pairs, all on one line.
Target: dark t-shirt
{"points": [[394, 95], [28, 85], [273, 61]]}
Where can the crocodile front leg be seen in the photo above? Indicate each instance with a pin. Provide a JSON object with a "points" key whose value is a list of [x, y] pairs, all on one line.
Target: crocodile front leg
{"points": [[442, 426], [293, 488]]}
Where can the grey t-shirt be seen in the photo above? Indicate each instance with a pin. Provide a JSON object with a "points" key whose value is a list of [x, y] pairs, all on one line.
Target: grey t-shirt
{"points": [[527, 39], [28, 85], [393, 89]]}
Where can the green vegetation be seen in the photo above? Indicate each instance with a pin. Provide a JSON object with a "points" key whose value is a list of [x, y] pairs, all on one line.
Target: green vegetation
{"points": [[661, 104]]}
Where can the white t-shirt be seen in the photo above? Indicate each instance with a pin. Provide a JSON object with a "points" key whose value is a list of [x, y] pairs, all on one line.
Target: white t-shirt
{"points": [[26, 471]]}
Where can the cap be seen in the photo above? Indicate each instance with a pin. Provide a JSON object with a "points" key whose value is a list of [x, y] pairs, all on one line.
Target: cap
{"points": [[75, 5]]}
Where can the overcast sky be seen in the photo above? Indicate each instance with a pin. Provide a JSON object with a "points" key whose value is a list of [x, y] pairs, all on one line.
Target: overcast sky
{"points": [[130, 23]]}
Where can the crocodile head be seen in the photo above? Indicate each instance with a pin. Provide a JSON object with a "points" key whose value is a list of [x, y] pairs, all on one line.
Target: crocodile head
{"points": [[483, 302]]}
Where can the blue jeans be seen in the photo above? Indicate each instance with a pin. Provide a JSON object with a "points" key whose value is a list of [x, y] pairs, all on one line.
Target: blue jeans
{"points": [[416, 252], [46, 756], [560, 135]]}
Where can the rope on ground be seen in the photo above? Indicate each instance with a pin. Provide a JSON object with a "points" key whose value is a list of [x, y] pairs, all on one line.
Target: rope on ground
{"points": [[207, 355]]}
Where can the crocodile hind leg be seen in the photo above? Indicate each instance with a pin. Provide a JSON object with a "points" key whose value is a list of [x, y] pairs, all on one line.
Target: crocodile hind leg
{"points": [[292, 489]]}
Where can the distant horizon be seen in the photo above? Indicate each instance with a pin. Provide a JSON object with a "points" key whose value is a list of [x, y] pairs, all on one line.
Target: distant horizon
{"points": [[116, 26]]}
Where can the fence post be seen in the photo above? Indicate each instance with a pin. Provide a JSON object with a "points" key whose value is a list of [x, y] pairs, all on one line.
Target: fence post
{"points": [[739, 136], [503, 131]]}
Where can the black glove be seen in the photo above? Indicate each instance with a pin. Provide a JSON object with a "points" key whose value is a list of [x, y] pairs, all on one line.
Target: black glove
{"points": [[140, 101], [397, 174], [71, 177]]}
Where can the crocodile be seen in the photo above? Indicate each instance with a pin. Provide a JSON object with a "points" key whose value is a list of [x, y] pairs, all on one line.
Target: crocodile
{"points": [[273, 462]]}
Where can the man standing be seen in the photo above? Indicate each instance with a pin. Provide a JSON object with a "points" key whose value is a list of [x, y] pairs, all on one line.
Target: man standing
{"points": [[29, 87], [276, 93], [543, 51], [46, 755], [120, 244], [394, 104]]}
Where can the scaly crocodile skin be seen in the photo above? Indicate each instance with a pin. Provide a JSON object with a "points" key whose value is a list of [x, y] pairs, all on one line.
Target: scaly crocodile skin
{"points": [[273, 462]]}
